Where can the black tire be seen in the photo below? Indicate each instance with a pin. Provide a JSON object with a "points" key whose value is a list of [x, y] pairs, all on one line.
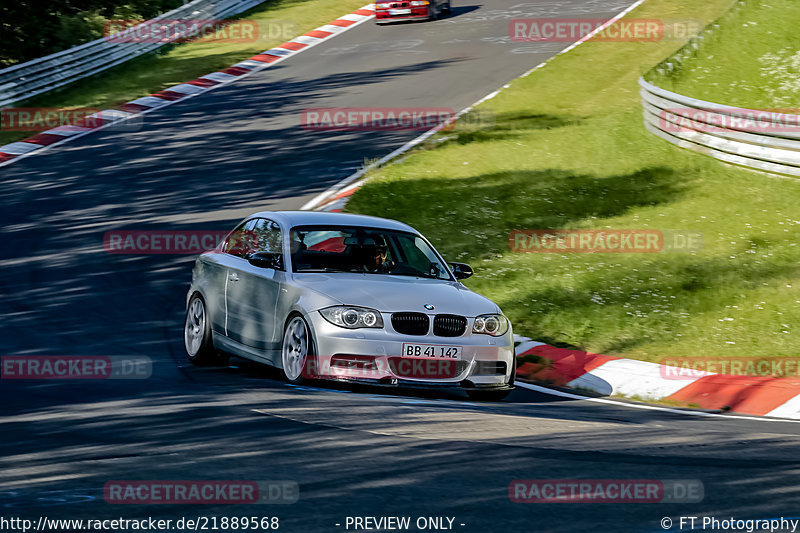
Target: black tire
{"points": [[446, 8], [487, 395], [197, 334], [289, 372]]}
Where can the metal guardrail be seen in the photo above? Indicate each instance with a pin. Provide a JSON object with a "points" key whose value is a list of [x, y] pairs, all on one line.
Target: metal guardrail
{"points": [[38, 76], [724, 132]]}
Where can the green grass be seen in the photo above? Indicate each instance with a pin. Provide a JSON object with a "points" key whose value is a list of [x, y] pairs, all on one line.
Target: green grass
{"points": [[569, 151], [184, 62], [752, 60]]}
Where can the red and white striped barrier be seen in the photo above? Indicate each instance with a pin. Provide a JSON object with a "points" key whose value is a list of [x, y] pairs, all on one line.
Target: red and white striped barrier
{"points": [[754, 395], [38, 143]]}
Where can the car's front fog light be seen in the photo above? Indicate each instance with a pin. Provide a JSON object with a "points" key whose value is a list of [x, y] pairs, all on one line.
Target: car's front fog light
{"points": [[494, 325], [351, 317]]}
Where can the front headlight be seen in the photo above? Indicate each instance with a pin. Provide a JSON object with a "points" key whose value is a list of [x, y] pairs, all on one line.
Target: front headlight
{"points": [[419, 3], [383, 6], [493, 324], [352, 317]]}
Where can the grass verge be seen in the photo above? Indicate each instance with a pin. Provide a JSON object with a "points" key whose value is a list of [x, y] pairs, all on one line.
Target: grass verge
{"points": [[569, 151], [752, 60], [179, 63]]}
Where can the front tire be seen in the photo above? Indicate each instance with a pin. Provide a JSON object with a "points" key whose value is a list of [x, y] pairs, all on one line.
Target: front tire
{"points": [[197, 334], [297, 350]]}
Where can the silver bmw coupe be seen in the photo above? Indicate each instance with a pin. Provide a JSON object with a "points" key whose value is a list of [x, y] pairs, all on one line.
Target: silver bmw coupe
{"points": [[346, 297]]}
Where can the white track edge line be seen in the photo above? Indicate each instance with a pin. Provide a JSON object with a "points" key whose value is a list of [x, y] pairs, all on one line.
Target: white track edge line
{"points": [[589, 35]]}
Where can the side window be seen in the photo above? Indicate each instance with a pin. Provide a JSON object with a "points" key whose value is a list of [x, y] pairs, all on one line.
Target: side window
{"points": [[239, 242], [267, 236]]}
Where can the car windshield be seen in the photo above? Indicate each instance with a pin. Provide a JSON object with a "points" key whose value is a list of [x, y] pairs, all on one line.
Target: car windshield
{"points": [[364, 250]]}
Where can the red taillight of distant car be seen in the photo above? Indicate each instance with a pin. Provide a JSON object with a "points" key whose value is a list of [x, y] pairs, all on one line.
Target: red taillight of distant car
{"points": [[409, 10]]}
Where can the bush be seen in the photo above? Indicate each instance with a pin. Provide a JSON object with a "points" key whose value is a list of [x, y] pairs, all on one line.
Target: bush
{"points": [[29, 30]]}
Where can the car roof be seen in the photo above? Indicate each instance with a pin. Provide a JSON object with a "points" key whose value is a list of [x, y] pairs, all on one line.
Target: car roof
{"points": [[313, 218]]}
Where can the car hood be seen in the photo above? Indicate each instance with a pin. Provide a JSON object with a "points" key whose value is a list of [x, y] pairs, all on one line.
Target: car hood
{"points": [[398, 293]]}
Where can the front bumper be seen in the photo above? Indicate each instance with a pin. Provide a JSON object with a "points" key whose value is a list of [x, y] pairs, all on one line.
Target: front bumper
{"points": [[375, 356], [408, 384]]}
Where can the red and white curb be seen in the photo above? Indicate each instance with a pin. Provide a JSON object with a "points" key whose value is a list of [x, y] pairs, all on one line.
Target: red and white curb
{"points": [[335, 200], [607, 375], [39, 143]]}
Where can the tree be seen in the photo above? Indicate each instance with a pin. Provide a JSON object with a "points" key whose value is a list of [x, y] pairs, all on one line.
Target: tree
{"points": [[36, 28]]}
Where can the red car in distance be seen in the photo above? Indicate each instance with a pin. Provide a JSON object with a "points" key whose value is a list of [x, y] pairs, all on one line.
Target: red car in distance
{"points": [[410, 10]]}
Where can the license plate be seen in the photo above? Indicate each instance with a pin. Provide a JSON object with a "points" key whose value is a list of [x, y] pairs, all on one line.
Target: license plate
{"points": [[432, 351], [399, 12]]}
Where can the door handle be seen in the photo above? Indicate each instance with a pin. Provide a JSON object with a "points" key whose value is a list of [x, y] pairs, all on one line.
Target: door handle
{"points": [[233, 277]]}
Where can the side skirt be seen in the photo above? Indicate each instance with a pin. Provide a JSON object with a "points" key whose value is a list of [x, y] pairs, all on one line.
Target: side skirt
{"points": [[267, 357]]}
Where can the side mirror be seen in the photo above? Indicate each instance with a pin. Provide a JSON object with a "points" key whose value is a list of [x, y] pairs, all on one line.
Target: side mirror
{"points": [[461, 270], [266, 260]]}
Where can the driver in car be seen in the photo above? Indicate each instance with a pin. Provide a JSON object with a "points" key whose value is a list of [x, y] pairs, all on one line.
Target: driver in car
{"points": [[374, 255]]}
